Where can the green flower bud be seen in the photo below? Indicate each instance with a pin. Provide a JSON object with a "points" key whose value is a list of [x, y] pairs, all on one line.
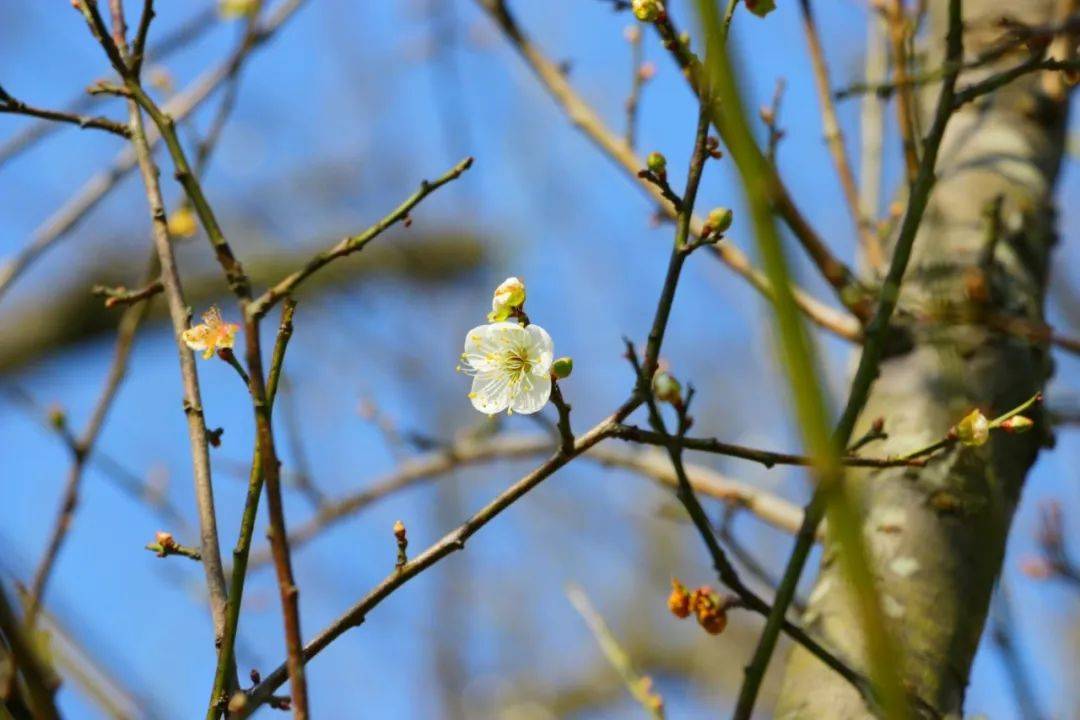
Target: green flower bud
{"points": [[656, 162], [647, 10], [562, 367], [719, 219], [973, 430], [508, 296], [1017, 424], [57, 418], [666, 388]]}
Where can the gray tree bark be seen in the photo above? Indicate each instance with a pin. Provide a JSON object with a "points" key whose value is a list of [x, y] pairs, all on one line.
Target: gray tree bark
{"points": [[938, 534]]}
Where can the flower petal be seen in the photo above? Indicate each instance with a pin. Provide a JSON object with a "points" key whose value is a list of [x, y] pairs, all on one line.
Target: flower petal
{"points": [[196, 337], [226, 335], [542, 351], [490, 392], [212, 316], [532, 396], [507, 331], [480, 349]]}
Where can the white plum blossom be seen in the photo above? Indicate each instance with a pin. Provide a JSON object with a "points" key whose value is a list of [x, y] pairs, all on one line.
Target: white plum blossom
{"points": [[510, 365]]}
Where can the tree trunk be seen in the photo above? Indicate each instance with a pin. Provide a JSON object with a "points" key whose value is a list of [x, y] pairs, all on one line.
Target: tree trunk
{"points": [[937, 534]]}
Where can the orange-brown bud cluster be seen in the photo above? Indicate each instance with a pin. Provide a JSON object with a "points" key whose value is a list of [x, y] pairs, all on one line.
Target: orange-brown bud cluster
{"points": [[678, 601], [708, 606], [710, 610]]}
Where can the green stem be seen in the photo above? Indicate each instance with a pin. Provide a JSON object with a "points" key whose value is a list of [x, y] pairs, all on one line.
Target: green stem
{"points": [[242, 550], [234, 271]]}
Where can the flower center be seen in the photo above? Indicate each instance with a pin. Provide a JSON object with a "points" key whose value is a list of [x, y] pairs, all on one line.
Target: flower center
{"points": [[517, 363]]}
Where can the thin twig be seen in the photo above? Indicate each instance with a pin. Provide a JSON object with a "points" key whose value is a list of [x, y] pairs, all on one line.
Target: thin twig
{"points": [[566, 432], [871, 143], [999, 80], [279, 540], [119, 27], [138, 46], [354, 243], [874, 433], [897, 22], [96, 23], [679, 253], [771, 116], [640, 686], [166, 125], [178, 312], [754, 567], [13, 106], [637, 82], [768, 458], [185, 173], [834, 137], [122, 296]]}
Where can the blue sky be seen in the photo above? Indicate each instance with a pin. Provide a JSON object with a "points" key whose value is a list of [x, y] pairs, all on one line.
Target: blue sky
{"points": [[337, 120]]}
